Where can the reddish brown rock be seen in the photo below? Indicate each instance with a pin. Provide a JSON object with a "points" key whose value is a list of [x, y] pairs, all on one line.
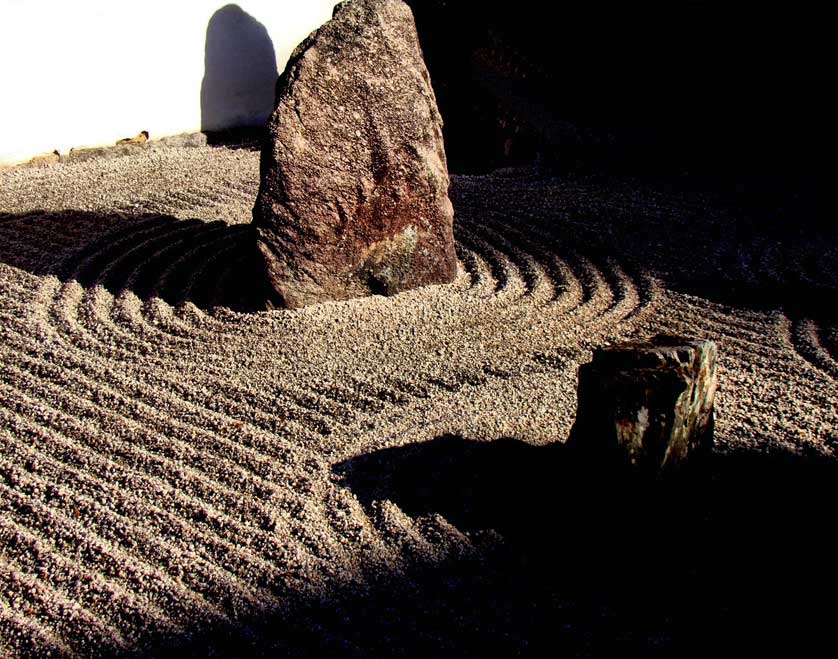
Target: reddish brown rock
{"points": [[354, 182], [650, 404]]}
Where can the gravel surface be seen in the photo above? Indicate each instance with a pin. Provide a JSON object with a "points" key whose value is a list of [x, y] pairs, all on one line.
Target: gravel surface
{"points": [[168, 460]]}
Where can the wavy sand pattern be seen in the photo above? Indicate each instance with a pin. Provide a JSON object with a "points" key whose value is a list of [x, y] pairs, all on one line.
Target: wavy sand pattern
{"points": [[167, 455]]}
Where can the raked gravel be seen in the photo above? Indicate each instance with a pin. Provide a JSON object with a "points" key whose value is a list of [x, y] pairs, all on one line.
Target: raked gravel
{"points": [[166, 460]]}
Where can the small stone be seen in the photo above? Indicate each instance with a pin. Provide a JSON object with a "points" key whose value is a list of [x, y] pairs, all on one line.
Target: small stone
{"points": [[103, 152], [353, 198], [42, 160], [649, 403], [183, 140], [139, 138]]}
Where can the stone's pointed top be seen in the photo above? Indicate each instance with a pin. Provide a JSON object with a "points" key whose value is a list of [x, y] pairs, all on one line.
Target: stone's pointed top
{"points": [[354, 192]]}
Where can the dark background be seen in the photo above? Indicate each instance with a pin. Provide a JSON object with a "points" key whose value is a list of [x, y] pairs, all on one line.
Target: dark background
{"points": [[654, 87], [724, 98]]}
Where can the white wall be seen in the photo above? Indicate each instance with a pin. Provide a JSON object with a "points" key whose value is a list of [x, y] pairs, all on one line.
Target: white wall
{"points": [[89, 72]]}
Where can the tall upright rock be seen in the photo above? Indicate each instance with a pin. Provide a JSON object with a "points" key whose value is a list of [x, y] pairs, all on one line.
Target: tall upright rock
{"points": [[354, 182]]}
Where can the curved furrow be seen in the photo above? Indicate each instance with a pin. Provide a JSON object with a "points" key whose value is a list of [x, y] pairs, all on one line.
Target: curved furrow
{"points": [[140, 323], [589, 290], [62, 616], [201, 588], [149, 320], [82, 318], [94, 316], [193, 269], [215, 320], [76, 581], [26, 636], [87, 265], [634, 291], [468, 263], [547, 253], [589, 295], [246, 471], [172, 534], [123, 266], [479, 271], [143, 400], [144, 280], [626, 299], [227, 286], [496, 275], [508, 281], [204, 283], [533, 277], [283, 420]]}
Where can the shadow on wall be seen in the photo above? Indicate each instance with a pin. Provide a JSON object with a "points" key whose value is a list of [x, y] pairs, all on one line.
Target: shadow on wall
{"points": [[240, 72]]}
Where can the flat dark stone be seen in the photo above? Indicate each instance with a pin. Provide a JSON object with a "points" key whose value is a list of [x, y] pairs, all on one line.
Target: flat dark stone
{"points": [[649, 403]]}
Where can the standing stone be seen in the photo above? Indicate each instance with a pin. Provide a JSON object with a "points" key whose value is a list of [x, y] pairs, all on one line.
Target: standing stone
{"points": [[648, 403], [354, 183]]}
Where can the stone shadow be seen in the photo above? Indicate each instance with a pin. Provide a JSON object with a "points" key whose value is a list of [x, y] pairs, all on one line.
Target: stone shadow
{"points": [[572, 558], [240, 73], [670, 565], [206, 263]]}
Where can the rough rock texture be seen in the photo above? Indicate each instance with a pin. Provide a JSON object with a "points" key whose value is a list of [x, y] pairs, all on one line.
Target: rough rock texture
{"points": [[653, 402], [354, 183]]}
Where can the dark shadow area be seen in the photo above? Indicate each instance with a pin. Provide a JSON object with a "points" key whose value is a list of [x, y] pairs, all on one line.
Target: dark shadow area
{"points": [[245, 139], [734, 557], [722, 554], [206, 263], [711, 96], [658, 87], [240, 72]]}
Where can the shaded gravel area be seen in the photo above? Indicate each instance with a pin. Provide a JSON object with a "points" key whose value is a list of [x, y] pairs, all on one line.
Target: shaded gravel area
{"points": [[181, 473]]}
